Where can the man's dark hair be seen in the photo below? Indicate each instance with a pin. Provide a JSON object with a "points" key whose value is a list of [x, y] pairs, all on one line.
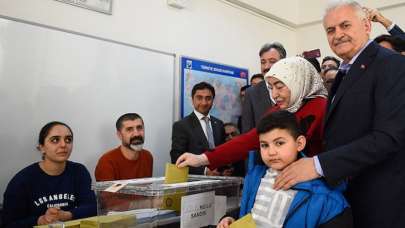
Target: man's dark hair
{"points": [[327, 58], [243, 88], [276, 45], [314, 63], [394, 41], [230, 124], [256, 76], [234, 133], [280, 120], [125, 117], [201, 86]]}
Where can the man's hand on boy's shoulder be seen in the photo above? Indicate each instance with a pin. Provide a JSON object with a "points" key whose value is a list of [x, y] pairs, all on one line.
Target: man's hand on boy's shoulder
{"points": [[299, 171]]}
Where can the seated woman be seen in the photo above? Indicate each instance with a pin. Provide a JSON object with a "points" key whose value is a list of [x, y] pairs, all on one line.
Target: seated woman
{"points": [[296, 87], [53, 189]]}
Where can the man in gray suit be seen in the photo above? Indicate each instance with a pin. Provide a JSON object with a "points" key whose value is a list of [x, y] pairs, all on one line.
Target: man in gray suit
{"points": [[257, 98]]}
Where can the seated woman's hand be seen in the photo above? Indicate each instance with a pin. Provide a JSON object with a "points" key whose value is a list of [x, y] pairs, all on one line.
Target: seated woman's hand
{"points": [[64, 215], [194, 160], [50, 216], [225, 222]]}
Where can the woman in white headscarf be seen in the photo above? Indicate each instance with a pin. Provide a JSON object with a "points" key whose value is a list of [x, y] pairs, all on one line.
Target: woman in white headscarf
{"points": [[296, 87]]}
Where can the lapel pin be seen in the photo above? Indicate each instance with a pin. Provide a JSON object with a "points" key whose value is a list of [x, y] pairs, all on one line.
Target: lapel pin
{"points": [[363, 66]]}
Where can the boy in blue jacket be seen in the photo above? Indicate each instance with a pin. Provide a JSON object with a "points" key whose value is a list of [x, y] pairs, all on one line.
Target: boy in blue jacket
{"points": [[308, 204]]}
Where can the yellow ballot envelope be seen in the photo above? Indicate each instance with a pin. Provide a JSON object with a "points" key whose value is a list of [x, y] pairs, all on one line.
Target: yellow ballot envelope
{"points": [[104, 221], [109, 221], [68, 224], [244, 222], [175, 175]]}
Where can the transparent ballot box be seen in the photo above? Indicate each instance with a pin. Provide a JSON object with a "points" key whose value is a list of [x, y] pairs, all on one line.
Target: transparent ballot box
{"points": [[199, 202]]}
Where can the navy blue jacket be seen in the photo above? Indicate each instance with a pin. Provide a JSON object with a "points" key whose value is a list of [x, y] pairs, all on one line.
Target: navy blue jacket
{"points": [[32, 191], [313, 205], [364, 138], [397, 32]]}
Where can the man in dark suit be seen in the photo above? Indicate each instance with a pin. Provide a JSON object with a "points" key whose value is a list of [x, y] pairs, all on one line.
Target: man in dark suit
{"points": [[396, 38], [364, 126], [376, 16], [198, 131], [396, 31], [257, 98]]}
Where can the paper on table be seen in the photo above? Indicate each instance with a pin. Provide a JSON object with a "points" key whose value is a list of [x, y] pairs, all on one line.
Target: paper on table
{"points": [[115, 187], [175, 175], [244, 222]]}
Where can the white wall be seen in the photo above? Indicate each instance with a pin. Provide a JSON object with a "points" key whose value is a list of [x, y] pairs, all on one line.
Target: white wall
{"points": [[87, 83], [313, 10], [210, 29], [313, 36], [206, 29], [278, 8]]}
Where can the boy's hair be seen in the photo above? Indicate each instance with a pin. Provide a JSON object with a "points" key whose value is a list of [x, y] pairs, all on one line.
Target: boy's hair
{"points": [[280, 120]]}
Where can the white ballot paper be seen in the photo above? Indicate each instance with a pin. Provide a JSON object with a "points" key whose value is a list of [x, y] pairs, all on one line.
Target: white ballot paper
{"points": [[197, 210]]}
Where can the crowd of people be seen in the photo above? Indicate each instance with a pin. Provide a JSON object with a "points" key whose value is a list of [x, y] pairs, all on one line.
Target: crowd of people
{"points": [[328, 139], [361, 132]]}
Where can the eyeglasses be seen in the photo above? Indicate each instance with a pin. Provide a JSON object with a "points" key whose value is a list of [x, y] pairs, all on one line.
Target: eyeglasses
{"points": [[330, 81], [327, 66]]}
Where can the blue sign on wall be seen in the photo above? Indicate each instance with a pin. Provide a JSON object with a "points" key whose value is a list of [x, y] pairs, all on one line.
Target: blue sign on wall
{"points": [[227, 81]]}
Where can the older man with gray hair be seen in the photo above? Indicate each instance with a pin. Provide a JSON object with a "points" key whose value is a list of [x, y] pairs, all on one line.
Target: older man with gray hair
{"points": [[364, 133]]}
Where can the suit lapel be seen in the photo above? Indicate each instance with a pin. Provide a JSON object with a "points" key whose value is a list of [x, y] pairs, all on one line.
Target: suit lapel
{"points": [[355, 73], [264, 96], [197, 129]]}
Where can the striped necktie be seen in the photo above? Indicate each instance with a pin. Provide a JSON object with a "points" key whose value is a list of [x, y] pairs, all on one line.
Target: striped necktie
{"points": [[210, 136]]}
